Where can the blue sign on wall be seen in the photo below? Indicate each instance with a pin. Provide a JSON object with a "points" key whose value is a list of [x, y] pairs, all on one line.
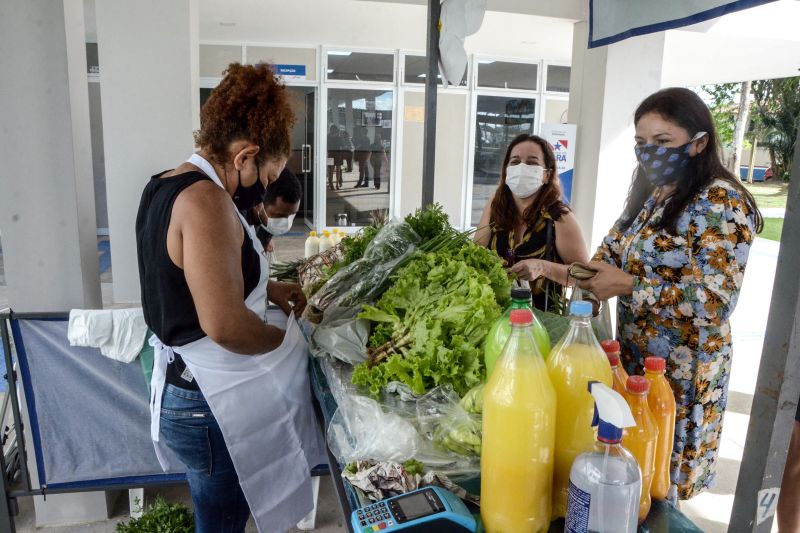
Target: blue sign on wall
{"points": [[291, 72]]}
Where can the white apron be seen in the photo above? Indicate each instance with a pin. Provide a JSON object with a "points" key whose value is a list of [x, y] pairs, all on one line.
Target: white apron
{"points": [[262, 404]]}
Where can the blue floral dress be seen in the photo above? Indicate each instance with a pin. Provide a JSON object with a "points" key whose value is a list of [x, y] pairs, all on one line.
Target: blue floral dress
{"points": [[684, 291]]}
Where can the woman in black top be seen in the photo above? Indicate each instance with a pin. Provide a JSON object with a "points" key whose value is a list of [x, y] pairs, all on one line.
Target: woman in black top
{"points": [[204, 285], [527, 208]]}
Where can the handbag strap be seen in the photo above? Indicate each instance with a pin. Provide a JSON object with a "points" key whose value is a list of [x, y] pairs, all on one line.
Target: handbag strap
{"points": [[548, 256]]}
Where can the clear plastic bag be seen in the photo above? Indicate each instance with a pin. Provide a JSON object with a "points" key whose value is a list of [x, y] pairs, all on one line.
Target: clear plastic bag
{"points": [[360, 430], [444, 421], [364, 280], [341, 335]]}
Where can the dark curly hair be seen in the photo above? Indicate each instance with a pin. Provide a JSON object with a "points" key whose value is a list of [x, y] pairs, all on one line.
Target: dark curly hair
{"points": [[249, 104]]}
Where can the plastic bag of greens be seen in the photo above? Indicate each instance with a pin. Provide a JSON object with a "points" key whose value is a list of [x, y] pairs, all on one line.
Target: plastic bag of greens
{"points": [[361, 430], [443, 420], [341, 335], [364, 280]]}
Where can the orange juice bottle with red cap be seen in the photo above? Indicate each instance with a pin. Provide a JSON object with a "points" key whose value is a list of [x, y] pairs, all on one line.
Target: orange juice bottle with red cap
{"points": [[662, 404], [612, 349], [519, 430], [642, 439]]}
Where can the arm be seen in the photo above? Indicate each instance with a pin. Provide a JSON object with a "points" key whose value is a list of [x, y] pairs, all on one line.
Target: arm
{"points": [[210, 249], [484, 233], [570, 246], [610, 249], [718, 255]]}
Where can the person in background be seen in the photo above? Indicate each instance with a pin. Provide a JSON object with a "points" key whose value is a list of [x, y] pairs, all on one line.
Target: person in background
{"points": [[230, 393], [527, 222], [275, 215], [361, 145], [676, 259], [376, 156], [347, 150], [334, 158]]}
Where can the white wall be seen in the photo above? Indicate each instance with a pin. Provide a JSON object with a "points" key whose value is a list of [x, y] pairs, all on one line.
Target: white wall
{"points": [[607, 85], [149, 71], [451, 143], [47, 214]]}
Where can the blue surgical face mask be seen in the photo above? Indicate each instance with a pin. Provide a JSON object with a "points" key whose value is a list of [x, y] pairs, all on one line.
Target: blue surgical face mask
{"points": [[663, 165]]}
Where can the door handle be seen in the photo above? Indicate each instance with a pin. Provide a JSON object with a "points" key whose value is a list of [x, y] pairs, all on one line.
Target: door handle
{"points": [[306, 158]]}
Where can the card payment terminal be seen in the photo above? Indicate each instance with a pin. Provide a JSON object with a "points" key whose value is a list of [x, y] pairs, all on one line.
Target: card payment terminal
{"points": [[427, 510]]}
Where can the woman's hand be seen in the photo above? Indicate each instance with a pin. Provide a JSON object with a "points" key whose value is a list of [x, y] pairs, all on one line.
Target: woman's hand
{"points": [[531, 269], [288, 296], [609, 281]]}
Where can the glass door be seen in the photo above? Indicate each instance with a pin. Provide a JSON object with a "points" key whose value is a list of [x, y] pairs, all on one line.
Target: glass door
{"points": [[359, 155], [301, 162]]}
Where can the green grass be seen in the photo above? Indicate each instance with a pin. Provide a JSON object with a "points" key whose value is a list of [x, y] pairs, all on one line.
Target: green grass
{"points": [[772, 229], [769, 194]]}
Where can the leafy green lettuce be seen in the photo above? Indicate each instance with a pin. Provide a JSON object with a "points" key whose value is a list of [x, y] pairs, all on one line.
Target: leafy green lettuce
{"points": [[428, 328]]}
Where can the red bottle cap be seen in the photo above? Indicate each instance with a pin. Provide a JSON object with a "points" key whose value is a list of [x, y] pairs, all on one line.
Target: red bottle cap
{"points": [[521, 316], [637, 384], [610, 346], [655, 364], [613, 358]]}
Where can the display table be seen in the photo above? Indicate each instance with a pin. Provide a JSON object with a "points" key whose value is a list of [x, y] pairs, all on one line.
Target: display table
{"points": [[663, 517]]}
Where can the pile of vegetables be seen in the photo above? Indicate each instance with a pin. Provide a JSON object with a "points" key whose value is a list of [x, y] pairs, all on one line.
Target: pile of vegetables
{"points": [[429, 326]]}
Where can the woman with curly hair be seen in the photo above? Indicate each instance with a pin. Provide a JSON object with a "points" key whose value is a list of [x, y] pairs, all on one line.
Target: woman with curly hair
{"points": [[230, 392], [676, 260]]}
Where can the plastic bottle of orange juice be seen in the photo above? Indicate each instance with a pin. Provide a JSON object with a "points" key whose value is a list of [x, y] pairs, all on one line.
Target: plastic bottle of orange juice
{"points": [[575, 361], [661, 400], [611, 347], [641, 440], [519, 417]]}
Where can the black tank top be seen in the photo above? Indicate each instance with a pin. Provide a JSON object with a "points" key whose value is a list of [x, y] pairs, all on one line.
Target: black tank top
{"points": [[169, 309], [534, 245]]}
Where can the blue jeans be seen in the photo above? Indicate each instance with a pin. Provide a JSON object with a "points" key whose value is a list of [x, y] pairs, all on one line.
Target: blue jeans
{"points": [[192, 432]]}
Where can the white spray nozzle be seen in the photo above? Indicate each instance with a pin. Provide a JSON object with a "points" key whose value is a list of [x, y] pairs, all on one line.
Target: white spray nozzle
{"points": [[610, 406]]}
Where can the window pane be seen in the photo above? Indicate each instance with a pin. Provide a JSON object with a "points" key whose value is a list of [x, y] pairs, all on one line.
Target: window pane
{"points": [[359, 66], [359, 155], [497, 121], [558, 78], [416, 67], [555, 111], [306, 57], [214, 59], [507, 75], [92, 62]]}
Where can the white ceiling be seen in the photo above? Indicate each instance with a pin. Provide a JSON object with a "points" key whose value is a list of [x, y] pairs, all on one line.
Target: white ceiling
{"points": [[765, 36]]}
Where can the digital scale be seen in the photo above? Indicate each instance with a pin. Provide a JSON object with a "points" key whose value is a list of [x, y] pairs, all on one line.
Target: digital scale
{"points": [[428, 510]]}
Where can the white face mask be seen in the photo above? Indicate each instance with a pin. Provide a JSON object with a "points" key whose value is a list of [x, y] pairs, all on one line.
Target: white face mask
{"points": [[278, 226], [524, 180]]}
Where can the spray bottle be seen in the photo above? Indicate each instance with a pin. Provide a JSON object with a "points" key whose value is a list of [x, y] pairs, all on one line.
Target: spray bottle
{"points": [[605, 484]]}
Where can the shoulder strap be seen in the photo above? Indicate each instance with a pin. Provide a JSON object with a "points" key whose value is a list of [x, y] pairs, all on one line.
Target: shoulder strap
{"points": [[548, 256]]}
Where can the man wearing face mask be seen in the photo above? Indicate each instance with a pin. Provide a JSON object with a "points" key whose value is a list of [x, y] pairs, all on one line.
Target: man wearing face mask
{"points": [[275, 215], [527, 223], [229, 391], [676, 260]]}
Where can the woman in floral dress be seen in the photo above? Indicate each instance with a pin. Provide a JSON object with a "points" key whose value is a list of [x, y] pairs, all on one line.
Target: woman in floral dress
{"points": [[676, 259]]}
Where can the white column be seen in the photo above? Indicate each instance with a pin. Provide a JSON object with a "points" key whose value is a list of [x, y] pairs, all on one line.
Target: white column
{"points": [[47, 215], [606, 86], [149, 64]]}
